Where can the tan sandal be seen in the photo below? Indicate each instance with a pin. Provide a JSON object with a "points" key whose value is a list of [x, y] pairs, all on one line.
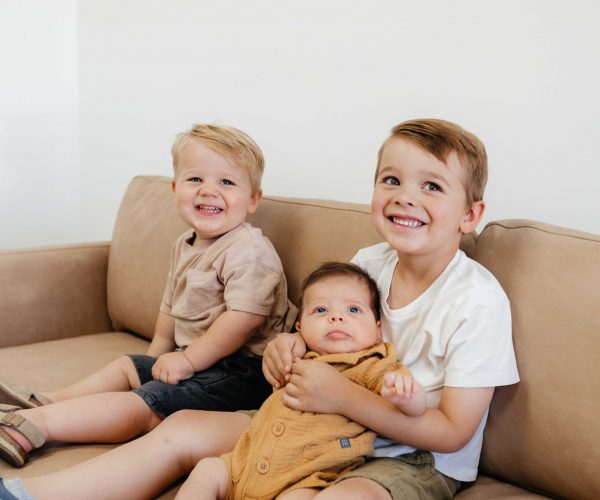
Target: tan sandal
{"points": [[20, 396], [10, 449]]}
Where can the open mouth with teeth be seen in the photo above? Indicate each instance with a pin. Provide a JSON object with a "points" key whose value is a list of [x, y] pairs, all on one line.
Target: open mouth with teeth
{"points": [[412, 223], [208, 209]]}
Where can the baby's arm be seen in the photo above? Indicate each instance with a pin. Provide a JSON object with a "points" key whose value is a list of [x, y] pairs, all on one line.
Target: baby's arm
{"points": [[229, 332], [164, 332], [208, 480], [403, 391]]}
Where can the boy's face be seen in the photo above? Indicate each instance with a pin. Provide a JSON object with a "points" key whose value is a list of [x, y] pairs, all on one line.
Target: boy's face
{"points": [[337, 316], [419, 204], [213, 194]]}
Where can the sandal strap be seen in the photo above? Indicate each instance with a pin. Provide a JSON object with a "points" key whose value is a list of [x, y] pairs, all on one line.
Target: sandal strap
{"points": [[24, 426], [11, 451]]}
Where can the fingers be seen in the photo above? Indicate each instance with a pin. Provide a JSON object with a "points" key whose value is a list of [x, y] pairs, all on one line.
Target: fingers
{"points": [[398, 385], [277, 360], [164, 375], [290, 401]]}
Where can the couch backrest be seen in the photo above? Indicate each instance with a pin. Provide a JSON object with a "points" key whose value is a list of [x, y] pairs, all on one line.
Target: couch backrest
{"points": [[545, 431], [146, 226]]}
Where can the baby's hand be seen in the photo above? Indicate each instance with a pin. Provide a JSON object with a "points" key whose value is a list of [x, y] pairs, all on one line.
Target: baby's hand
{"points": [[172, 368], [405, 392]]}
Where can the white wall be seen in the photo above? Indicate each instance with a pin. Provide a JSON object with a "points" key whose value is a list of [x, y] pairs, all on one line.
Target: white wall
{"points": [[39, 165], [319, 84]]}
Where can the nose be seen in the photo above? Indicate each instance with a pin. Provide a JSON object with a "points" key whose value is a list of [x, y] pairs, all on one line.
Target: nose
{"points": [[404, 196], [206, 189], [336, 318]]}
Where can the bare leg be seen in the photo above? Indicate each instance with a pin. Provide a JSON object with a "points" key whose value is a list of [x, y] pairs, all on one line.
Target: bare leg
{"points": [[142, 468], [208, 481], [300, 494], [112, 417], [355, 488], [118, 375]]}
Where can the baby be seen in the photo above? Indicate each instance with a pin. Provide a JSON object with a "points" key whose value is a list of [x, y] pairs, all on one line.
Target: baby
{"points": [[286, 449]]}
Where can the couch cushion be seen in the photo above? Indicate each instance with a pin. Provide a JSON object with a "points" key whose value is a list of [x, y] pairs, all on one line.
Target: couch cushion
{"points": [[57, 363], [545, 431], [486, 488]]}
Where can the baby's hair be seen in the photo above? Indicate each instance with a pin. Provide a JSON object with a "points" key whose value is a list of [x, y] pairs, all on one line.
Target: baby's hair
{"points": [[233, 144], [329, 269], [440, 138]]}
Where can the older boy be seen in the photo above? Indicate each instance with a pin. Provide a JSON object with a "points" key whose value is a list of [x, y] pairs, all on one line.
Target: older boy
{"points": [[287, 450], [447, 316], [226, 296]]}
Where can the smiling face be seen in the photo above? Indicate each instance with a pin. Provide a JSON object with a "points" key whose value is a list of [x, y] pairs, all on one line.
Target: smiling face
{"points": [[419, 204], [337, 316], [213, 194]]}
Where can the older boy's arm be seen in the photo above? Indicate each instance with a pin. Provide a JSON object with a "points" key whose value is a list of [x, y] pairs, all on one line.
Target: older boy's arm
{"points": [[229, 332], [163, 340], [320, 388], [446, 429]]}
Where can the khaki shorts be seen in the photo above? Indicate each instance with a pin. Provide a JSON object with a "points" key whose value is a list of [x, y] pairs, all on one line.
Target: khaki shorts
{"points": [[407, 477]]}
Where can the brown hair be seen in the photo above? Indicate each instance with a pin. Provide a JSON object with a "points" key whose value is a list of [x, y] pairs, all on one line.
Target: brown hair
{"points": [[230, 142], [329, 269], [440, 138]]}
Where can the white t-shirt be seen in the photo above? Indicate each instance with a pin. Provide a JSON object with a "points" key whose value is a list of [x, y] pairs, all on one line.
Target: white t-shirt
{"points": [[456, 334]]}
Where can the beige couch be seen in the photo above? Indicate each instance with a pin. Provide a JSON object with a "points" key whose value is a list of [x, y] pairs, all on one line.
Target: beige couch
{"points": [[66, 311]]}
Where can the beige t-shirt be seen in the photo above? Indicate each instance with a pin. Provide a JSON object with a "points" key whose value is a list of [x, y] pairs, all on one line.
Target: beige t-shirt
{"points": [[237, 271]]}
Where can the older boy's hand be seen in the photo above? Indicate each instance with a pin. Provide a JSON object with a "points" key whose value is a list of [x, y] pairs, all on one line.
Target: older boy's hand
{"points": [[315, 386], [278, 356], [172, 368]]}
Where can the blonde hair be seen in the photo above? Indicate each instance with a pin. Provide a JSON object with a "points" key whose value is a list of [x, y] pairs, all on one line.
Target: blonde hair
{"points": [[230, 142], [441, 138]]}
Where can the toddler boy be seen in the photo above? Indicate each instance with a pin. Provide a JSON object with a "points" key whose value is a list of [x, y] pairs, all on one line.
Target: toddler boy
{"points": [[226, 296]]}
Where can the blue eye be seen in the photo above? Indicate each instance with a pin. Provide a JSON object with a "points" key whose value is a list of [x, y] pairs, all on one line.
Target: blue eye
{"points": [[432, 186], [227, 182], [195, 179], [393, 181], [354, 309]]}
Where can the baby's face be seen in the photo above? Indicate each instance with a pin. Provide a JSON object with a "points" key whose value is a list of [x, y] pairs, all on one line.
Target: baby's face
{"points": [[337, 316], [213, 194]]}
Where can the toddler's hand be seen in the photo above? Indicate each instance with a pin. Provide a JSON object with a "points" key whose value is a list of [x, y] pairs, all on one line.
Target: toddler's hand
{"points": [[278, 355], [172, 368]]}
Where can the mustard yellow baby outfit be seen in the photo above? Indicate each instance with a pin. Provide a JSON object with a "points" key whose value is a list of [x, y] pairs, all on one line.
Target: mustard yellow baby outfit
{"points": [[285, 449]]}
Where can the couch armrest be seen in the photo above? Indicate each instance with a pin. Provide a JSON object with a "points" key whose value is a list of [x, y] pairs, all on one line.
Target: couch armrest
{"points": [[52, 293]]}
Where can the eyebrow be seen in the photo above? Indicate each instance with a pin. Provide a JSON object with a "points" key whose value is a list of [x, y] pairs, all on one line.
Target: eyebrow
{"points": [[427, 173]]}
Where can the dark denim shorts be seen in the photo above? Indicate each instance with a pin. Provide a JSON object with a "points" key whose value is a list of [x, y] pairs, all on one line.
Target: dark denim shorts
{"points": [[233, 383]]}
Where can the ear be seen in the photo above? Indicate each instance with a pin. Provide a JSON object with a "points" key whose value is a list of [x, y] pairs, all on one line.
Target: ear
{"points": [[298, 328], [472, 217], [379, 338], [254, 199], [173, 185]]}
